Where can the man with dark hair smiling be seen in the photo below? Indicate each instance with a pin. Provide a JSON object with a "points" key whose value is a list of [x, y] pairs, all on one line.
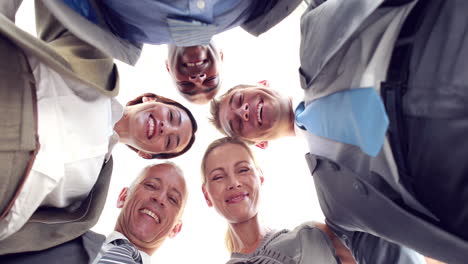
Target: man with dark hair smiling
{"points": [[366, 66], [196, 71], [119, 28]]}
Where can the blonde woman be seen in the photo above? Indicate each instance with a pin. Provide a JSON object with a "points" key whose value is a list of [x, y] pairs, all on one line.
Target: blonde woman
{"points": [[232, 185]]}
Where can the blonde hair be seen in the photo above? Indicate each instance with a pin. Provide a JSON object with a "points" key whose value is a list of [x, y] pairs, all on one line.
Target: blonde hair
{"points": [[215, 144]]}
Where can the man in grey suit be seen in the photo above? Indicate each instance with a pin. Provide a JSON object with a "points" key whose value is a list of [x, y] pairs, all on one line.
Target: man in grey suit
{"points": [[152, 208], [413, 190]]}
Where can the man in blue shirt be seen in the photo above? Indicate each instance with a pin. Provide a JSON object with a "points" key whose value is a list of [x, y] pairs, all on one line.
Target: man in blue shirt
{"points": [[120, 27], [196, 71]]}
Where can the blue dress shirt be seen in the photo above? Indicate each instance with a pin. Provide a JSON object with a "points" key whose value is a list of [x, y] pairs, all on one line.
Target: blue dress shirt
{"points": [[178, 22], [354, 116]]}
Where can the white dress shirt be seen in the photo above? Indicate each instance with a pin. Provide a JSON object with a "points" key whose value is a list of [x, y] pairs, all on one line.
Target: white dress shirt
{"points": [[107, 245], [75, 136]]}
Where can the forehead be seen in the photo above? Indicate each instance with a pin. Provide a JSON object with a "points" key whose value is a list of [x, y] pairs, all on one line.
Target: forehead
{"points": [[167, 174], [218, 157]]}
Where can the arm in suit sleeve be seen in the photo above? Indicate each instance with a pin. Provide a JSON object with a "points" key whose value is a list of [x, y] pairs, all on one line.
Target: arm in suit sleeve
{"points": [[84, 59], [370, 249]]}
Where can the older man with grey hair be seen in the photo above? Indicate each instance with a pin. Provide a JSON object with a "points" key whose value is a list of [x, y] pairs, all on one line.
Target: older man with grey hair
{"points": [[151, 211]]}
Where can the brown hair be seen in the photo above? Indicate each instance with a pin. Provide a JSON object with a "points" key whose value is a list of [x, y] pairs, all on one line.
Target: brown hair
{"points": [[164, 100], [215, 144], [215, 105]]}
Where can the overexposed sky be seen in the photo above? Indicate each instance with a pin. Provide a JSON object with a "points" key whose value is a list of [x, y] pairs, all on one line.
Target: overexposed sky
{"points": [[288, 195]]}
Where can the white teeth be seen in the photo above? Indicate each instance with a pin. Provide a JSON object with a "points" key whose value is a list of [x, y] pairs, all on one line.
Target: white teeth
{"points": [[151, 127], [190, 64], [259, 110], [153, 215]]}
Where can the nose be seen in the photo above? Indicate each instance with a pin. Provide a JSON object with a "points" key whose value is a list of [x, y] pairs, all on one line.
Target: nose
{"points": [[198, 78], [158, 198], [233, 183], [166, 128], [243, 111], [161, 128]]}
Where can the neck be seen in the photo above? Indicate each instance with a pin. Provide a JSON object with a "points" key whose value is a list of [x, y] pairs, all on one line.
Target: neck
{"points": [[247, 236], [148, 250], [122, 128]]}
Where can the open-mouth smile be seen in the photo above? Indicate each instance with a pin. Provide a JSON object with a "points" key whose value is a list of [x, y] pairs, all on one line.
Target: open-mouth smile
{"points": [[151, 127], [151, 214]]}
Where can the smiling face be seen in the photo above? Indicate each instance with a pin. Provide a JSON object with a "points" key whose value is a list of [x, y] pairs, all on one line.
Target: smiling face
{"points": [[155, 127], [152, 208], [195, 71], [232, 183], [255, 113]]}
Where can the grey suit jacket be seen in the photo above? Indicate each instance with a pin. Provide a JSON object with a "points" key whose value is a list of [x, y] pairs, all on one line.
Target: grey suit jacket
{"points": [[80, 250], [128, 52], [355, 191], [78, 61]]}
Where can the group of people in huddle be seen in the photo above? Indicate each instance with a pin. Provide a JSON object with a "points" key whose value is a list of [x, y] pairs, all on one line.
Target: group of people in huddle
{"points": [[384, 112]]}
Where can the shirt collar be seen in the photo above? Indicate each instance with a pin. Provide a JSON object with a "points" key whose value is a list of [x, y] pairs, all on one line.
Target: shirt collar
{"points": [[115, 235]]}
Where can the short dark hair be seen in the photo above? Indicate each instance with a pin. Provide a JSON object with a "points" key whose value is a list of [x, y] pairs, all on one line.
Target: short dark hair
{"points": [[162, 99], [215, 104]]}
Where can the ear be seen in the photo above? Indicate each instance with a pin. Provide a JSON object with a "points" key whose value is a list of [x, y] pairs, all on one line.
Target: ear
{"points": [[262, 179], [176, 229], [167, 67], [262, 144], [207, 199], [264, 83], [122, 197], [144, 155]]}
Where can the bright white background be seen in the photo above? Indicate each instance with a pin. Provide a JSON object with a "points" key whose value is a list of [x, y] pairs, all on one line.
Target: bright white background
{"points": [[288, 197]]}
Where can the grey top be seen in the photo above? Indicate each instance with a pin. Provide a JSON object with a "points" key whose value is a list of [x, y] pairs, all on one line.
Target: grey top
{"points": [[308, 244], [305, 244]]}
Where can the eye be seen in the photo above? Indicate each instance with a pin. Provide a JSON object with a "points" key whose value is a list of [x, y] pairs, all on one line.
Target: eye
{"points": [[217, 177], [168, 142], [210, 81], [186, 84], [150, 186], [240, 125], [244, 170], [173, 200], [171, 116]]}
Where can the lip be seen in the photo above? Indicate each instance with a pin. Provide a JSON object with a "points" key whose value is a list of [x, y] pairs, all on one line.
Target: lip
{"points": [[236, 198], [259, 112], [150, 213], [152, 126]]}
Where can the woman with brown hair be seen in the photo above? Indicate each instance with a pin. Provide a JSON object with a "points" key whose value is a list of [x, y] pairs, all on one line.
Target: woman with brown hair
{"points": [[232, 185], [156, 127]]}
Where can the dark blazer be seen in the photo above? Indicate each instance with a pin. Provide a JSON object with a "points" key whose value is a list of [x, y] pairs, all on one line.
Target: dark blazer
{"points": [[80, 250], [73, 59], [358, 192]]}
